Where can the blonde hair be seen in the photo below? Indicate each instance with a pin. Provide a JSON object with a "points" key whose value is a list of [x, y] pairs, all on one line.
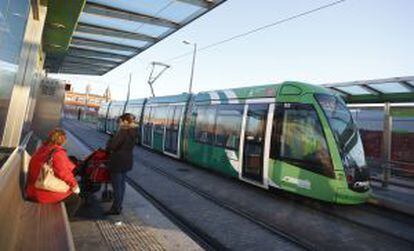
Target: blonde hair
{"points": [[56, 137], [127, 117]]}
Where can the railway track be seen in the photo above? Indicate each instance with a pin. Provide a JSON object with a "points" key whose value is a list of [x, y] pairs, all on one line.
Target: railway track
{"points": [[304, 244], [197, 234], [327, 209], [322, 207], [368, 210]]}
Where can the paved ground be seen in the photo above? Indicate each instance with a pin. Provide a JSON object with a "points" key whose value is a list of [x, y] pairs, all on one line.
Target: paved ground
{"points": [[358, 227], [142, 226]]}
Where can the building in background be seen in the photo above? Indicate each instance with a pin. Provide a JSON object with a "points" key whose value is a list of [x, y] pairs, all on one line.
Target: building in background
{"points": [[84, 106]]}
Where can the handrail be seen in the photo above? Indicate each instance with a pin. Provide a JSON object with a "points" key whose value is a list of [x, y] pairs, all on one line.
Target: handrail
{"points": [[391, 167], [400, 162], [401, 176], [25, 141], [6, 165], [391, 161]]}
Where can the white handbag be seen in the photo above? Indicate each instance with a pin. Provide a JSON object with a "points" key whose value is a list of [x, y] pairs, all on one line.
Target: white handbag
{"points": [[47, 179]]}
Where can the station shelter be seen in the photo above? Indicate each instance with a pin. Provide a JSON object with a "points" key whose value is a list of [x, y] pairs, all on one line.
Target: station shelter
{"points": [[384, 112]]}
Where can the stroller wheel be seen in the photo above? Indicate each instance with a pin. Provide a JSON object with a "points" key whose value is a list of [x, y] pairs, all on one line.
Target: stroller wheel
{"points": [[107, 195]]}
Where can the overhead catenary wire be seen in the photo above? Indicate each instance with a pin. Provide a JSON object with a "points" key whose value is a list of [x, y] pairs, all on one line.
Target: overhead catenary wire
{"points": [[261, 28], [249, 32]]}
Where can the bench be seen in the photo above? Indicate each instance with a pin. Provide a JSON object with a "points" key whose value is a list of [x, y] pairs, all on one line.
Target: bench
{"points": [[26, 225]]}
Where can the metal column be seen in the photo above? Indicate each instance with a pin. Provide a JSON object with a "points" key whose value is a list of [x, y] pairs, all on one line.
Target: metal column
{"points": [[386, 145], [15, 117]]}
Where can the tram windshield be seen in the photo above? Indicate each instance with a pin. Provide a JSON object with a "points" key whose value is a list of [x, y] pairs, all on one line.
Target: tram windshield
{"points": [[344, 129]]}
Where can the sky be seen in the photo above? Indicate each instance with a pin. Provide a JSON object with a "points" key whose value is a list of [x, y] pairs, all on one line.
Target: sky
{"points": [[354, 40]]}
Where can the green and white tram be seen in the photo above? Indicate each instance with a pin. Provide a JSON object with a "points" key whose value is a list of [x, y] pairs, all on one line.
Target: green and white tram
{"points": [[102, 116], [163, 124], [291, 136], [115, 110], [136, 107]]}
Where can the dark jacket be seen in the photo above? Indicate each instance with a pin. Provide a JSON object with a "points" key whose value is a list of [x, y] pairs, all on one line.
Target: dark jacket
{"points": [[120, 148]]}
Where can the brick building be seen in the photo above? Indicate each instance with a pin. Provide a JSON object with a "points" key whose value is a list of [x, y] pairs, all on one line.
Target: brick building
{"points": [[84, 105]]}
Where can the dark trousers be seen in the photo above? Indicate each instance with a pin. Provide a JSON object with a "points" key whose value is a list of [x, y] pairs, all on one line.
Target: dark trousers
{"points": [[72, 204], [118, 184]]}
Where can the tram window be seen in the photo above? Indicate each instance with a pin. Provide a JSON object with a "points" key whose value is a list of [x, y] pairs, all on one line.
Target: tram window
{"points": [[170, 116], [300, 138], [102, 111], [228, 126], [205, 120], [174, 115], [147, 115], [160, 115], [135, 110], [137, 113], [176, 118]]}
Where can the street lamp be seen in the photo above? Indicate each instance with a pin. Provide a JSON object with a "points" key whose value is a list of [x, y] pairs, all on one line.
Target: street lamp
{"points": [[192, 66]]}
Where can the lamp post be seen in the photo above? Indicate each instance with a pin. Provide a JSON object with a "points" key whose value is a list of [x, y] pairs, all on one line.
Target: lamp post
{"points": [[192, 65]]}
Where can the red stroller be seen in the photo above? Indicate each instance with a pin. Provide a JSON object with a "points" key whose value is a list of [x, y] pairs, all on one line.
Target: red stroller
{"points": [[94, 172]]}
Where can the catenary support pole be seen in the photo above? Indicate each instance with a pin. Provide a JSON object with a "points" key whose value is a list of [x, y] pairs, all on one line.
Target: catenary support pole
{"points": [[386, 145], [190, 89]]}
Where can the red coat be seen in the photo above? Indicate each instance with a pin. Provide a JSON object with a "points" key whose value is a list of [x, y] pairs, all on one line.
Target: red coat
{"points": [[62, 168]]}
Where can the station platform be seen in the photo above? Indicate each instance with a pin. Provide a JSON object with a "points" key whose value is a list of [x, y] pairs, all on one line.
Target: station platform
{"points": [[140, 226]]}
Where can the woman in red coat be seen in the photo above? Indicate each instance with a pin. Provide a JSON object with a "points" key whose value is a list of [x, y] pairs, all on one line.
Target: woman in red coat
{"points": [[63, 169]]}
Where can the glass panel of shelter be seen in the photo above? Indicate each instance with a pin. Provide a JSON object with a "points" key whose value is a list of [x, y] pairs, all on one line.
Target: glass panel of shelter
{"points": [[13, 19], [179, 11], [393, 87], [111, 39], [354, 90], [149, 8]]}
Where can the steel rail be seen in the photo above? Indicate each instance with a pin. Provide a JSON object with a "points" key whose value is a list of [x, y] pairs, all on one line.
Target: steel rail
{"points": [[329, 209], [287, 236]]}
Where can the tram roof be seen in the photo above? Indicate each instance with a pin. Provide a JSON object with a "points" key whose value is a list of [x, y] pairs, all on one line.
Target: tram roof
{"points": [[92, 37], [261, 91], [393, 90], [117, 103], [136, 101], [180, 98]]}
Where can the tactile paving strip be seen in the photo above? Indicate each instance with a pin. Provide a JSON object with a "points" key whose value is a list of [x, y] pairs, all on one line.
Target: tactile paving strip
{"points": [[128, 236]]}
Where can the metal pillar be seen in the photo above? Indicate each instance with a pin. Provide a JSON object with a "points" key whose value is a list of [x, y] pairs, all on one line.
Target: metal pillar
{"points": [[85, 107], [190, 88], [386, 145], [128, 94], [15, 116]]}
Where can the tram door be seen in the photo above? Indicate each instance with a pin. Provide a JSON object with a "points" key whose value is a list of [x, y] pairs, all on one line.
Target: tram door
{"points": [[147, 128], [172, 129], [254, 141]]}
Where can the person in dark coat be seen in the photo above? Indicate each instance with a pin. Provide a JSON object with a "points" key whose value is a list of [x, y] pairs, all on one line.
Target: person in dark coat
{"points": [[120, 148]]}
